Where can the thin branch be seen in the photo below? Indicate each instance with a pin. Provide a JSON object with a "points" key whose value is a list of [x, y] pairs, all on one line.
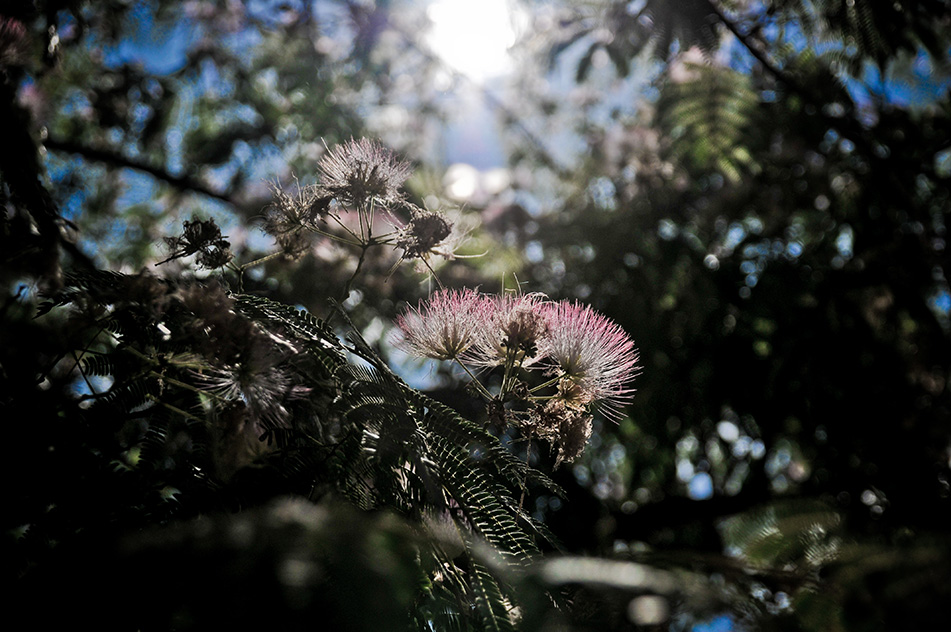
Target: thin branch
{"points": [[185, 183], [848, 127], [760, 56], [363, 255], [475, 381], [89, 385]]}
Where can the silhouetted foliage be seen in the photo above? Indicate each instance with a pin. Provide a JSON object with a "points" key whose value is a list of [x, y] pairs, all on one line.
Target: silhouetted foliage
{"points": [[767, 217]]}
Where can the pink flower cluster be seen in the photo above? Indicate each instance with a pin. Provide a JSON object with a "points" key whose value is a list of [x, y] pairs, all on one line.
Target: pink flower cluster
{"points": [[594, 353], [588, 358], [445, 326]]}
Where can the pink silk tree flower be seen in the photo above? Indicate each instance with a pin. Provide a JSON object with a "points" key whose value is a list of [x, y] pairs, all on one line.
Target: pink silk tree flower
{"points": [[444, 326], [595, 355], [515, 331]]}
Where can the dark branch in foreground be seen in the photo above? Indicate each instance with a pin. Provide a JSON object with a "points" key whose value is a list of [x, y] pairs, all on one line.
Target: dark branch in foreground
{"points": [[848, 126], [185, 183], [21, 241]]}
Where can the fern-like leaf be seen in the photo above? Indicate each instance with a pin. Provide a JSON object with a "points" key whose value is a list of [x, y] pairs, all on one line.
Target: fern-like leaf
{"points": [[491, 605], [795, 532], [483, 502], [706, 117]]}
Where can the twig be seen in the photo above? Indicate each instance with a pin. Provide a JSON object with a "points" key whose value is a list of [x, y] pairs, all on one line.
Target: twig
{"points": [[363, 255], [101, 155]]}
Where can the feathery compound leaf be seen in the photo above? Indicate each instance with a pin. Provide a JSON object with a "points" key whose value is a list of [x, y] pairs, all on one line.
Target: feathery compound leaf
{"points": [[302, 325], [878, 30], [706, 117], [131, 393], [351, 472], [796, 531], [857, 32], [99, 364], [491, 605], [688, 22], [659, 25], [447, 423], [413, 446], [443, 421], [483, 501]]}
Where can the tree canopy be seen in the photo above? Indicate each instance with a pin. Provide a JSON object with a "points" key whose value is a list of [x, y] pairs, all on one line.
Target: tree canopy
{"points": [[228, 228]]}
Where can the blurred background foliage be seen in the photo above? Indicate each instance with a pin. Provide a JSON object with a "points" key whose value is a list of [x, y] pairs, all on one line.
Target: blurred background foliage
{"points": [[757, 191]]}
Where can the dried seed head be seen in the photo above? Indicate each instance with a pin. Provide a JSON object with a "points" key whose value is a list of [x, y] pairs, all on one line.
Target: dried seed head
{"points": [[422, 234], [204, 238], [259, 380], [566, 427], [575, 430], [288, 218], [359, 171]]}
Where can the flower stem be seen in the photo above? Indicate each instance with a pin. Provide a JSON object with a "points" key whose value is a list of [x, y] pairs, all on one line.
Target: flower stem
{"points": [[370, 218], [528, 462], [433, 273], [357, 239], [508, 374], [259, 261], [479, 387], [350, 242], [356, 271], [546, 384]]}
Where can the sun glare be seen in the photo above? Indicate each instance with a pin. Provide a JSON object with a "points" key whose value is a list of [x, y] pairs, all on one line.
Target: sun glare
{"points": [[473, 38]]}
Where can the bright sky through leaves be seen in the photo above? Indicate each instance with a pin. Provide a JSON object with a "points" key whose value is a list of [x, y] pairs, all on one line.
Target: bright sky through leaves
{"points": [[473, 37]]}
